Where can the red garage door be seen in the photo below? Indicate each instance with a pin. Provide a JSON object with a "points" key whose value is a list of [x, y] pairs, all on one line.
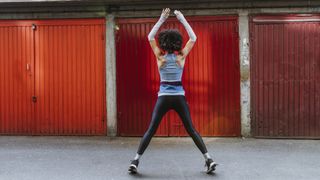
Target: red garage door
{"points": [[285, 76], [52, 77], [16, 83], [211, 78]]}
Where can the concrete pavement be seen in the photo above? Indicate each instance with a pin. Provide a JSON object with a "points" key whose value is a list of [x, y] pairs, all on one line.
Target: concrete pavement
{"points": [[103, 158]]}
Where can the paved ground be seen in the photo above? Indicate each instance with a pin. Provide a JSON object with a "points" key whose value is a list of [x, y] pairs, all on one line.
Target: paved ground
{"points": [[90, 158]]}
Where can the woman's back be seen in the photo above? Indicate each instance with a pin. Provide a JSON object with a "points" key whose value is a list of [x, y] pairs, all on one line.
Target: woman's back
{"points": [[170, 71], [170, 76]]}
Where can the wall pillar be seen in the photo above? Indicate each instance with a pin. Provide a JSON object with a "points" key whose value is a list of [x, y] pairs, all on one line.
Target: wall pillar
{"points": [[111, 97], [244, 73]]}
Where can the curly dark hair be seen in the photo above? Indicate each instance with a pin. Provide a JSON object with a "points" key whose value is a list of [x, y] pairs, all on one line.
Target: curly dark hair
{"points": [[170, 40]]}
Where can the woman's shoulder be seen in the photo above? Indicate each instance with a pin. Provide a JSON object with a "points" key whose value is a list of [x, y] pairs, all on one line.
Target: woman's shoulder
{"points": [[162, 56], [181, 57]]}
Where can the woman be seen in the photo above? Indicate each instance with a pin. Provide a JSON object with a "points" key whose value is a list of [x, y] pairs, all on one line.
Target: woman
{"points": [[170, 61]]}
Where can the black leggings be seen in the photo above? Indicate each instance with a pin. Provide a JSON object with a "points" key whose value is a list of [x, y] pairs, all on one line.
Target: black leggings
{"points": [[163, 105]]}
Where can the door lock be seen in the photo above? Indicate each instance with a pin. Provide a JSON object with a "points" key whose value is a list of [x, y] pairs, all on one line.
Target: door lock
{"points": [[34, 27], [34, 99]]}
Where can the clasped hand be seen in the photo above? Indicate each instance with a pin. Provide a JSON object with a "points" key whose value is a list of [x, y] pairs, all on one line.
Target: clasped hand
{"points": [[166, 12]]}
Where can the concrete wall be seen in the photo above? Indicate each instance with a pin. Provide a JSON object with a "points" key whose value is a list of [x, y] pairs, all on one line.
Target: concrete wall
{"points": [[244, 73], [110, 12], [111, 76]]}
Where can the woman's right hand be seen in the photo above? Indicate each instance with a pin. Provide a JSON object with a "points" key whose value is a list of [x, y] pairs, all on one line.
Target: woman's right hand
{"points": [[179, 15], [165, 13]]}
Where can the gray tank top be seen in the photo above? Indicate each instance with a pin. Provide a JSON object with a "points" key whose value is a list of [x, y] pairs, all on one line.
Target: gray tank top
{"points": [[170, 72]]}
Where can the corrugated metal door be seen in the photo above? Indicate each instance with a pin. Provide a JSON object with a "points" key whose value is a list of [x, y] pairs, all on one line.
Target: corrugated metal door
{"points": [[211, 78], [63, 93], [285, 76], [16, 80], [70, 77]]}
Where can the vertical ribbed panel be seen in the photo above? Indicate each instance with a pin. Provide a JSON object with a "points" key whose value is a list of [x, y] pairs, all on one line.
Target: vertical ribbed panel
{"points": [[70, 77], [137, 79], [16, 82], [66, 62], [285, 76], [211, 78]]}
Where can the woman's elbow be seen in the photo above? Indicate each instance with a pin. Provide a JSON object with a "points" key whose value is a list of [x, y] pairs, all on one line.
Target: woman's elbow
{"points": [[150, 38], [193, 39]]}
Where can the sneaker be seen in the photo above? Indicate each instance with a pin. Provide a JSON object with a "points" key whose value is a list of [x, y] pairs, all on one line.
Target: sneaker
{"points": [[211, 165], [133, 166]]}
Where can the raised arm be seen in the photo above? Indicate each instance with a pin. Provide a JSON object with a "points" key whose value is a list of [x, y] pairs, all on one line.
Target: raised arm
{"points": [[153, 32], [192, 36]]}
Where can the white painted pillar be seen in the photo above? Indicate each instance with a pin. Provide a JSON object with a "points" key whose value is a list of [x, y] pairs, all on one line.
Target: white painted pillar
{"points": [[111, 76], [244, 73]]}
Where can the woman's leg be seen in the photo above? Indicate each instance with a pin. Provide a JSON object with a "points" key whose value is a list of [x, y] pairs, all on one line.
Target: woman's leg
{"points": [[160, 109], [182, 108]]}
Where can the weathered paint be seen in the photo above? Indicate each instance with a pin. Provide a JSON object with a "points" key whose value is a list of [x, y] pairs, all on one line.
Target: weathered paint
{"points": [[245, 74], [62, 13], [141, 7], [67, 76], [211, 78], [285, 77]]}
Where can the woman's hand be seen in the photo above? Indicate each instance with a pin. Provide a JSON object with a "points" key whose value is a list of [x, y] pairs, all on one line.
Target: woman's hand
{"points": [[179, 15], [165, 13], [192, 36]]}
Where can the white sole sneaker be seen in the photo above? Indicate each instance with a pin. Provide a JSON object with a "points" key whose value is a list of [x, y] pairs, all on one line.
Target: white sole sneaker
{"points": [[132, 169], [212, 167]]}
